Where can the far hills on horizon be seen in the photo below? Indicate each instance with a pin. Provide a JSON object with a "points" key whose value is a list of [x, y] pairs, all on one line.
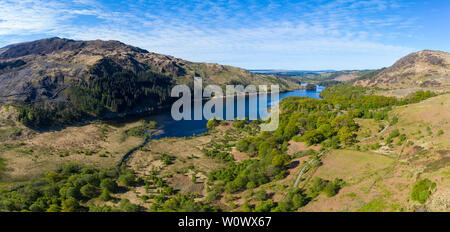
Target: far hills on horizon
{"points": [[257, 71], [66, 81], [425, 69]]}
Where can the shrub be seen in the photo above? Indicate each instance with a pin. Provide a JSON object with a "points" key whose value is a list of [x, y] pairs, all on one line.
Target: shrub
{"points": [[291, 202], [333, 188], [73, 192], [298, 200], [108, 184], [239, 124], [246, 207], [422, 190], [69, 205], [167, 159], [329, 188], [261, 195], [251, 185], [88, 191], [127, 179], [212, 196], [264, 206], [394, 121], [53, 208], [143, 129], [105, 196], [126, 206], [318, 184], [212, 123]]}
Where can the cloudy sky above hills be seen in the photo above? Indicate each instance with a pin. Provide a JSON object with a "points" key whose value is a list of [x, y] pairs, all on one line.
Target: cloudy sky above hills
{"points": [[311, 35]]}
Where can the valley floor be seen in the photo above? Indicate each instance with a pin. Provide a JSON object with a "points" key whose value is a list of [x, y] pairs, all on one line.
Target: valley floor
{"points": [[378, 176]]}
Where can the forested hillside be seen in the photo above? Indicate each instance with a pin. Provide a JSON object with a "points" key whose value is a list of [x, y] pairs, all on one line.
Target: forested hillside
{"points": [[59, 81]]}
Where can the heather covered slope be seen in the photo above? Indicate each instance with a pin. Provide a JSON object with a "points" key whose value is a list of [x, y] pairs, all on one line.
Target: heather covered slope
{"points": [[79, 79], [425, 69]]}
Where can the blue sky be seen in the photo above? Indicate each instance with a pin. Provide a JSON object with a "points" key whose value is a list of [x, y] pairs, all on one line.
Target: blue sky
{"points": [[257, 34]]}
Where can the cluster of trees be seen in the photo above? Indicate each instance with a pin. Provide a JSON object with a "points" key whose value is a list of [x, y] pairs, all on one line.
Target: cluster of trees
{"points": [[395, 134], [294, 199], [331, 121], [121, 91], [182, 203], [143, 129], [229, 173], [291, 202], [330, 188], [328, 83], [252, 173], [315, 121], [104, 92], [241, 124], [167, 159], [309, 118], [73, 188], [68, 189], [311, 87], [416, 97], [328, 121], [216, 152], [347, 97], [45, 115]]}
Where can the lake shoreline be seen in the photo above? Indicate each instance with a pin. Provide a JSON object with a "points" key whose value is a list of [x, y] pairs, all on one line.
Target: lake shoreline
{"points": [[187, 128]]}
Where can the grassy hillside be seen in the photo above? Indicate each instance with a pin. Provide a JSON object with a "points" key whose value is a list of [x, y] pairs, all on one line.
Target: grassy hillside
{"points": [[425, 69]]}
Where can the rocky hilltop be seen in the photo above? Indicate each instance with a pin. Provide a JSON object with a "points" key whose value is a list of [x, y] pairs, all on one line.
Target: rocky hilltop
{"points": [[64, 81], [421, 69]]}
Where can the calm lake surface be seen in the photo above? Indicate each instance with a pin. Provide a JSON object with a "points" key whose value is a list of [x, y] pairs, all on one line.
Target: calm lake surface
{"points": [[182, 128]]}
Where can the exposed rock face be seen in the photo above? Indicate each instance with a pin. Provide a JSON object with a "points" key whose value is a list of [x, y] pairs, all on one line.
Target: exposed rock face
{"points": [[421, 69]]}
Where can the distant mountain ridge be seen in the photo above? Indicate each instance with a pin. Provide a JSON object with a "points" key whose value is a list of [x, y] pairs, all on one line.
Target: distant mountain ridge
{"points": [[420, 69], [320, 77], [102, 78], [283, 72]]}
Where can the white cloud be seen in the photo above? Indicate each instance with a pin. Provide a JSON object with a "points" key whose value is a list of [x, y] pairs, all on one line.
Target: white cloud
{"points": [[211, 31], [25, 17]]}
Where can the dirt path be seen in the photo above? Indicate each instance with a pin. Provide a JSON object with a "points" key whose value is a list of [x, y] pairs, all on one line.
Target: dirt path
{"points": [[379, 133], [307, 165], [391, 168]]}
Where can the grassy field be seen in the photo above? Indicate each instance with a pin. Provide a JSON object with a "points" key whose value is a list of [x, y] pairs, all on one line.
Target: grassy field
{"points": [[32, 153]]}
